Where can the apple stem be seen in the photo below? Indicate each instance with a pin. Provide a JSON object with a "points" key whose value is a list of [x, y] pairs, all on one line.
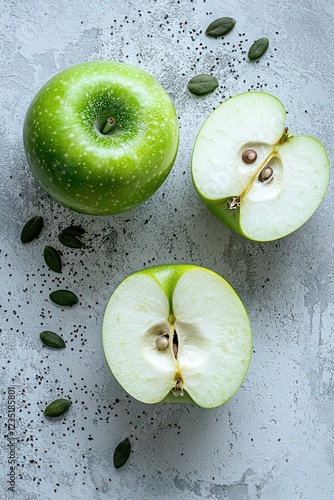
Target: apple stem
{"points": [[108, 126], [285, 137], [266, 174]]}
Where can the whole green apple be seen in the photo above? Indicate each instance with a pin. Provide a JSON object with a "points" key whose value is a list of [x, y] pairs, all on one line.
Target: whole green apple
{"points": [[101, 137], [177, 333], [252, 173]]}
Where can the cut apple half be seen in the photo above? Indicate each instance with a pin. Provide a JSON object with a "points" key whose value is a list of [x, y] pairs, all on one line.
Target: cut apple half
{"points": [[252, 173], [177, 333]]}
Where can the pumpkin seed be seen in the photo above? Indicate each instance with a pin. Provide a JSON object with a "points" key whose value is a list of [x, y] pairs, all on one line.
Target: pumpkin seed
{"points": [[51, 339], [52, 259], [258, 48], [73, 230], [64, 298], [32, 229], [57, 407], [70, 241], [202, 84], [220, 27], [122, 453]]}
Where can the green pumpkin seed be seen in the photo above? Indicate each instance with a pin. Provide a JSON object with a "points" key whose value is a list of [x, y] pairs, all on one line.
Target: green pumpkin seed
{"points": [[202, 84], [52, 259], [53, 340], [70, 241], [122, 453], [64, 298], [220, 27], [31, 229], [258, 48], [73, 230], [57, 408]]}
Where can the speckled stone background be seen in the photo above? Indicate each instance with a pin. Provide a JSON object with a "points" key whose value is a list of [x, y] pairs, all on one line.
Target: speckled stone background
{"points": [[274, 439]]}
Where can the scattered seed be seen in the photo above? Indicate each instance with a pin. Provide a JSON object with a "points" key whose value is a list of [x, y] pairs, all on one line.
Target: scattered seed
{"points": [[57, 408], [122, 453], [220, 26], [70, 241], [258, 48], [52, 259], [202, 84], [64, 298], [32, 229], [73, 230], [53, 340]]}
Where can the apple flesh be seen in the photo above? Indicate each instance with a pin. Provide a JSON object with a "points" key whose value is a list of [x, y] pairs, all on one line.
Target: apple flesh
{"points": [[254, 175], [177, 333], [101, 137]]}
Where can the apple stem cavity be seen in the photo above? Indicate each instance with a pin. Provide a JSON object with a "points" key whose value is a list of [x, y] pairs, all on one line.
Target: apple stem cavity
{"points": [[108, 126]]}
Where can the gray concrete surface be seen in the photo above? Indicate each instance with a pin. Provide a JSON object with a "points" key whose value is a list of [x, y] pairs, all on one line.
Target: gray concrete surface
{"points": [[274, 439]]}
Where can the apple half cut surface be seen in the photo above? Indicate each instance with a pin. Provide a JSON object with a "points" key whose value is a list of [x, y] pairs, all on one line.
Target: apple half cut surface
{"points": [[177, 333], [101, 137], [256, 177]]}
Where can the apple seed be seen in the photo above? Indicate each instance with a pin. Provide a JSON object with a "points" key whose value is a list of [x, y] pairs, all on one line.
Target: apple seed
{"points": [[266, 174], [249, 156], [162, 342]]}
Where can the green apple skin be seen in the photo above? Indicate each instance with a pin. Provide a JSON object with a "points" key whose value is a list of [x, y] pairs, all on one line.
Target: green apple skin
{"points": [[231, 218], [167, 276], [91, 172]]}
